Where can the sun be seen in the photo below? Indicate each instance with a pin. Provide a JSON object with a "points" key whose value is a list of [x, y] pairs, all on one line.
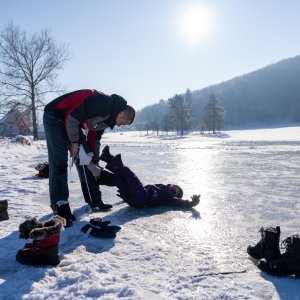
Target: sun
{"points": [[195, 23]]}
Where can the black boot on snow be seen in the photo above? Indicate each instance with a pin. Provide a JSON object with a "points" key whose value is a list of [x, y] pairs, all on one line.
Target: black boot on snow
{"points": [[268, 246], [288, 263], [98, 204], [93, 197], [3, 210], [64, 211], [105, 155]]}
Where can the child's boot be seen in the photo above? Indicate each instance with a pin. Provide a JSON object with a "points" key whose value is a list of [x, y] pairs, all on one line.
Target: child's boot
{"points": [[41, 252], [44, 248], [115, 164], [105, 155]]}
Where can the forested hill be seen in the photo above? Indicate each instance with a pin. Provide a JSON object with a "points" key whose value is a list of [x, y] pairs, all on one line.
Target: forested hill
{"points": [[268, 95]]}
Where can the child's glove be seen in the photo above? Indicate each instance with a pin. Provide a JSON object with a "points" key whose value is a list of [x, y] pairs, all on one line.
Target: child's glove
{"points": [[96, 170], [83, 158], [195, 200]]}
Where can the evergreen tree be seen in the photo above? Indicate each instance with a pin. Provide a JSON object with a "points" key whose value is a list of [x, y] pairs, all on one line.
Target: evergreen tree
{"points": [[180, 113], [214, 114], [166, 124], [154, 125], [188, 97]]}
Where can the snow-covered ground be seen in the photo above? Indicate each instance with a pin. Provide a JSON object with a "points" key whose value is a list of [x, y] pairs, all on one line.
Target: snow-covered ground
{"points": [[247, 179]]}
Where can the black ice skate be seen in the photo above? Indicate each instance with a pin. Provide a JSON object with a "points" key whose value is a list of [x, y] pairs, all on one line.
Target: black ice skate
{"points": [[99, 223], [288, 263], [268, 246]]}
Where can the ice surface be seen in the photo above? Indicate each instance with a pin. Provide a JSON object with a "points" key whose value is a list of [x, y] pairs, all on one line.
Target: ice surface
{"points": [[246, 178]]}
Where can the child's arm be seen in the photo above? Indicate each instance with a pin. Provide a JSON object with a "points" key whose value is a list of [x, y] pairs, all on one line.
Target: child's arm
{"points": [[184, 203]]}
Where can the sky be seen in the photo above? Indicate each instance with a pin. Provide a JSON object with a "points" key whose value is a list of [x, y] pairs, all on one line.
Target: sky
{"points": [[147, 50]]}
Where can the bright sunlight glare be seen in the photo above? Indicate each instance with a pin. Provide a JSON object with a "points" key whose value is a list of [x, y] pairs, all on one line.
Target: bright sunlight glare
{"points": [[195, 23]]}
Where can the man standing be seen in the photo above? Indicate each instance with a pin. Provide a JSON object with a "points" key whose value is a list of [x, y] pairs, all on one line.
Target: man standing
{"points": [[66, 119]]}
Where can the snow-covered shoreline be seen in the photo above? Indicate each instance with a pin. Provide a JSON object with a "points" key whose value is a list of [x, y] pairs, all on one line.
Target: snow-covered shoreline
{"points": [[246, 177]]}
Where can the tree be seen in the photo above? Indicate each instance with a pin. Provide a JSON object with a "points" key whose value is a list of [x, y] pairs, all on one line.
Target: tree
{"points": [[214, 114], [166, 124], [188, 97], [154, 125], [28, 69], [180, 113]]}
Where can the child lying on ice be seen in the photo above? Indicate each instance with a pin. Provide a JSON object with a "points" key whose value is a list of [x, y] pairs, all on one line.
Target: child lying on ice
{"points": [[133, 192]]}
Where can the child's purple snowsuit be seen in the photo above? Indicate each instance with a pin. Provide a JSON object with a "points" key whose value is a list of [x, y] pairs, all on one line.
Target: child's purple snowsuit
{"points": [[132, 190]]}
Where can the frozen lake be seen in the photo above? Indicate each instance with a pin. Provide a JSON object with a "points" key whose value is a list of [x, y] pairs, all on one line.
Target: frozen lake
{"points": [[247, 179]]}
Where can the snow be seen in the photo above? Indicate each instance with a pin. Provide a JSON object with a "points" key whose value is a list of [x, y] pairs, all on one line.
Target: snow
{"points": [[246, 178]]}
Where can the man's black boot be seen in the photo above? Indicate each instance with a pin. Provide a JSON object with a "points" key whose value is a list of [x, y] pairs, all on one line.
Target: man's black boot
{"points": [[93, 197], [64, 211], [288, 263], [268, 246], [105, 155], [97, 203]]}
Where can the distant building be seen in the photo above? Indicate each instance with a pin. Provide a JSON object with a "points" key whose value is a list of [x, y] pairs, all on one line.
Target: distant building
{"points": [[14, 122], [41, 133]]}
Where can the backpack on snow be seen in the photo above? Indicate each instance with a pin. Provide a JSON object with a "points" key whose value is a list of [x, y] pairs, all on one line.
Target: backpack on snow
{"points": [[43, 170]]}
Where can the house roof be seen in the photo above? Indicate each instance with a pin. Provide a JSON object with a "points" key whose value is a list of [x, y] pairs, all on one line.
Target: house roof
{"points": [[15, 116], [9, 116]]}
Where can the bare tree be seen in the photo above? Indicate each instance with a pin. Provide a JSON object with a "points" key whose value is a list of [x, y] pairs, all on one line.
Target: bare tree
{"points": [[28, 69]]}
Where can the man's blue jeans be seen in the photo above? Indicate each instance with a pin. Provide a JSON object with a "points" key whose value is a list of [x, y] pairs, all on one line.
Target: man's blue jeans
{"points": [[58, 145]]}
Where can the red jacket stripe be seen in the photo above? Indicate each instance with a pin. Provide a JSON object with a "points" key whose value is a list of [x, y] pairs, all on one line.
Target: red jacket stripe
{"points": [[73, 101], [91, 141]]}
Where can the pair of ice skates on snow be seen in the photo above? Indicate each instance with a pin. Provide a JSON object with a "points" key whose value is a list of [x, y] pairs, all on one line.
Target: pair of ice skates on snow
{"points": [[268, 248]]}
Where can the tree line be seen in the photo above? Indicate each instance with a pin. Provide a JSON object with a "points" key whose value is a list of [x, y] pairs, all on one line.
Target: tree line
{"points": [[177, 114], [270, 95]]}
